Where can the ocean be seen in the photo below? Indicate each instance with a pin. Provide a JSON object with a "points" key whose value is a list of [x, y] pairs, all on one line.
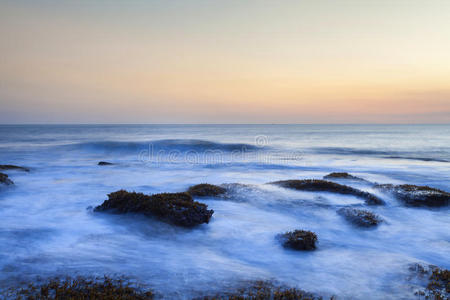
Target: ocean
{"points": [[48, 227]]}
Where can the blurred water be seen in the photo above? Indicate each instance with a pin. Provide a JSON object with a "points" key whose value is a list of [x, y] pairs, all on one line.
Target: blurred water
{"points": [[46, 228]]}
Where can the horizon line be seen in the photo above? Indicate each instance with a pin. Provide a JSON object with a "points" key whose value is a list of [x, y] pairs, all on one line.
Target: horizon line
{"points": [[42, 123]]}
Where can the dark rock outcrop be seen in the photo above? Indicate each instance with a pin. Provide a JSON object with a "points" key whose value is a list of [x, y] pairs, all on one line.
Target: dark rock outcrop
{"points": [[104, 163], [81, 288], [437, 281], [439, 284], [414, 195], [360, 217], [317, 185], [342, 175], [263, 290], [206, 190], [13, 167], [5, 180], [176, 208], [299, 240]]}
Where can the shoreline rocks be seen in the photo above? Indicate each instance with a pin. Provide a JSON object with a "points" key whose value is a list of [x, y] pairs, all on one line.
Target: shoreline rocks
{"points": [[359, 217], [434, 282], [414, 195], [80, 288], [439, 284], [124, 288], [206, 190], [318, 185], [5, 180], [176, 208], [261, 290], [13, 167], [299, 240], [343, 175]]}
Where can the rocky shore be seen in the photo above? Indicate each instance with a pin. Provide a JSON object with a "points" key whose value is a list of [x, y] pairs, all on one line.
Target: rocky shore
{"points": [[183, 209]]}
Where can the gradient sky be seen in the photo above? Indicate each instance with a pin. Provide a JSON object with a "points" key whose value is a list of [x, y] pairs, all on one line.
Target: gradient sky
{"points": [[225, 61]]}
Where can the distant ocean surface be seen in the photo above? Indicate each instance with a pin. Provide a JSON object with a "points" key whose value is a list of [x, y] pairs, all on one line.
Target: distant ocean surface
{"points": [[47, 226]]}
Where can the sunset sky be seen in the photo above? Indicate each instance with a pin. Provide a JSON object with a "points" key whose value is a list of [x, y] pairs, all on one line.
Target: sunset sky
{"points": [[383, 61]]}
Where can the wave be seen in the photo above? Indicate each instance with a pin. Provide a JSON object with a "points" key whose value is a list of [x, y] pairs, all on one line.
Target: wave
{"points": [[256, 166], [182, 145], [419, 155], [418, 158]]}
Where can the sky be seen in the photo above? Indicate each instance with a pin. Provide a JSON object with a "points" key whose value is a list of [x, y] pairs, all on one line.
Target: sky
{"points": [[253, 61]]}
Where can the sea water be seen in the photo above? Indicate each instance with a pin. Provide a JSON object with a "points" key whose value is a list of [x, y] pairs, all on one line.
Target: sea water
{"points": [[48, 227]]}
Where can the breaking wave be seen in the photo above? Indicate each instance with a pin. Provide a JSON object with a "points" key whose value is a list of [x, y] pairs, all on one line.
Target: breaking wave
{"points": [[437, 156], [158, 145]]}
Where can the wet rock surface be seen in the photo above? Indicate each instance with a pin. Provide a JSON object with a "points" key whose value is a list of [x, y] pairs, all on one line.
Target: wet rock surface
{"points": [[13, 167], [299, 240], [5, 180], [262, 290], [439, 283], [175, 208], [317, 185], [432, 282], [343, 175], [206, 190], [414, 195], [80, 288], [104, 163], [360, 217]]}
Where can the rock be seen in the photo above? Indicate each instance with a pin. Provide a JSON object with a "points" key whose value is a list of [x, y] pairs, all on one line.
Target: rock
{"points": [[81, 288], [299, 240], [414, 195], [5, 180], [439, 284], [206, 190], [13, 167], [261, 290], [317, 185], [104, 163], [176, 208], [342, 175], [360, 217], [437, 281]]}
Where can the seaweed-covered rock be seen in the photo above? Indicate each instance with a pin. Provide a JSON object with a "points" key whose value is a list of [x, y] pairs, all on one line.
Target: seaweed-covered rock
{"points": [[342, 175], [360, 217], [439, 284], [317, 185], [176, 208], [104, 163], [262, 290], [13, 167], [206, 190], [81, 288], [433, 282], [299, 240], [414, 195], [5, 180]]}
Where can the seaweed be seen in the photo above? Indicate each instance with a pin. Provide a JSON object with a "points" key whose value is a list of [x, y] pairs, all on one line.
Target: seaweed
{"points": [[299, 240], [206, 190], [342, 175], [438, 281], [439, 284], [81, 288], [416, 195], [317, 185], [262, 290], [176, 208], [360, 217], [5, 180]]}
